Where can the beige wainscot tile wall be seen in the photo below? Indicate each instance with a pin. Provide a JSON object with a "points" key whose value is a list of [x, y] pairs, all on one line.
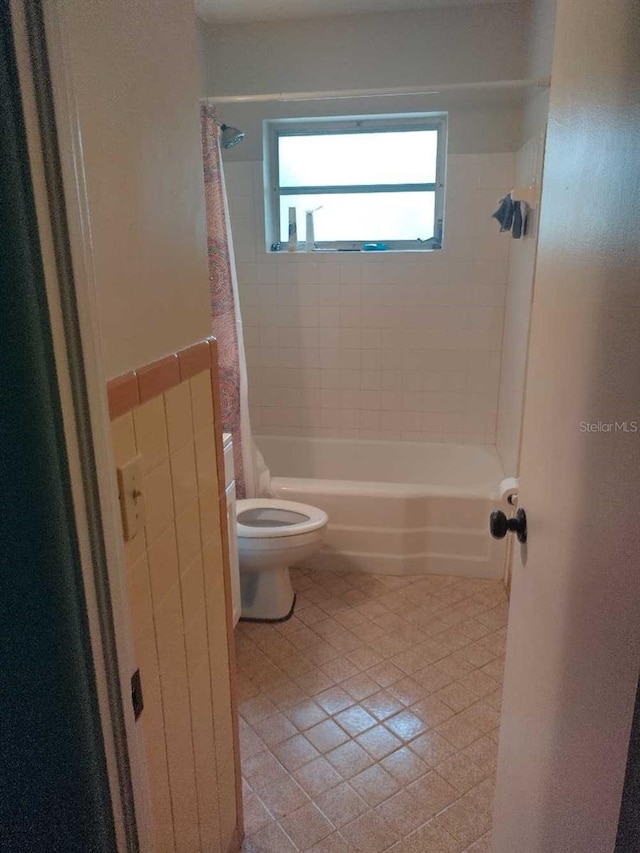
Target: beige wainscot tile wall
{"points": [[180, 621]]}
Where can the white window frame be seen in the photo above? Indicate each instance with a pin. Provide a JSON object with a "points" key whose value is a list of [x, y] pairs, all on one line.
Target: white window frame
{"points": [[274, 130]]}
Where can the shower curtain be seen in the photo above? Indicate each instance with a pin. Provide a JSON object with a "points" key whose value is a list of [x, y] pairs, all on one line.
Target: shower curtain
{"points": [[251, 474]]}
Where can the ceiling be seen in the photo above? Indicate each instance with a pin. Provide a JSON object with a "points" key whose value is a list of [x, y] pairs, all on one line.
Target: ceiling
{"points": [[242, 11]]}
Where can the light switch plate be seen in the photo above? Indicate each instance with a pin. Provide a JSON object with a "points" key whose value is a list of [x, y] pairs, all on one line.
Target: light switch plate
{"points": [[131, 497]]}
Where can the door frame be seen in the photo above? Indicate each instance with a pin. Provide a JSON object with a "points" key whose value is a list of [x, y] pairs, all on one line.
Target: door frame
{"points": [[55, 157]]}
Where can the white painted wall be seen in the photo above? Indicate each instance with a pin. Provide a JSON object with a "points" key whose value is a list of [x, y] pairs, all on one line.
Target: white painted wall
{"points": [[483, 124], [539, 42], [539, 56], [450, 45], [136, 78], [515, 341], [528, 168]]}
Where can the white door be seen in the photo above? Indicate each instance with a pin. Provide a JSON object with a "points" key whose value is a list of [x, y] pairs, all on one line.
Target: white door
{"points": [[573, 651]]}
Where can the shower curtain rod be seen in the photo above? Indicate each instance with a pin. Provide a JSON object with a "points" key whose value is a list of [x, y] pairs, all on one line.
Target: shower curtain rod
{"points": [[334, 95]]}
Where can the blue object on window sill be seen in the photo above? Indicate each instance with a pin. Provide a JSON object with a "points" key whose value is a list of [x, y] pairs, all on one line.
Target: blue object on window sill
{"points": [[374, 247]]}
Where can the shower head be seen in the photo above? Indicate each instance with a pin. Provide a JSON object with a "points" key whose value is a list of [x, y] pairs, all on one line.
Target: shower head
{"points": [[230, 136]]}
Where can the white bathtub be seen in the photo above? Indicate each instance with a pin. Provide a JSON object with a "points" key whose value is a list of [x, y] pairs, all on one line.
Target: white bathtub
{"points": [[400, 508]]}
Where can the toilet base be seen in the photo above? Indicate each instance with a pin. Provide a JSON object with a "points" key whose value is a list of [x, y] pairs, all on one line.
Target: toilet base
{"points": [[281, 619], [267, 596]]}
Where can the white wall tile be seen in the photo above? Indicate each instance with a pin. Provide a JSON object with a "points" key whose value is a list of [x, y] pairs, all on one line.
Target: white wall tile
{"points": [[374, 345]]}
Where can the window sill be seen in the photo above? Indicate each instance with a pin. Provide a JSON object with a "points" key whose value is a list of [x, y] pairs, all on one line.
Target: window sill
{"points": [[368, 253]]}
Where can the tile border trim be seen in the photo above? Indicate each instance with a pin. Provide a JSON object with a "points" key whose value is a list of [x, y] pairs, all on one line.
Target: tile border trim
{"points": [[127, 392]]}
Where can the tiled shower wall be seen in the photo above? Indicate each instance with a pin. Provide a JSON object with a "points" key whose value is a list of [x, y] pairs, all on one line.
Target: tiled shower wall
{"points": [[381, 346]]}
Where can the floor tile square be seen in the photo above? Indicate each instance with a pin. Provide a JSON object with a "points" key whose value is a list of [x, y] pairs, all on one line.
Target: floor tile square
{"points": [[495, 699], [369, 833], [465, 820], [404, 766], [429, 838], [341, 804], [334, 843], [432, 678], [328, 626], [482, 845], [374, 785], [262, 766], [340, 669], [456, 696], [461, 772], [355, 720], [345, 642], [271, 839], [306, 714], [275, 729], [481, 716], [405, 725], [484, 753], [255, 814], [334, 699], [250, 744], [432, 794], [316, 777], [349, 759], [479, 683], [282, 796], [432, 711], [286, 695], [314, 681], [385, 673], [350, 618], [321, 652], [379, 742], [333, 605], [326, 736], [258, 708], [432, 748], [407, 691], [401, 812], [494, 669], [295, 752], [382, 705], [296, 665], [360, 686], [310, 615], [306, 826], [458, 732], [364, 657]]}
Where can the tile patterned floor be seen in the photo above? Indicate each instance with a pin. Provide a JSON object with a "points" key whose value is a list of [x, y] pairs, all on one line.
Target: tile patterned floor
{"points": [[369, 721]]}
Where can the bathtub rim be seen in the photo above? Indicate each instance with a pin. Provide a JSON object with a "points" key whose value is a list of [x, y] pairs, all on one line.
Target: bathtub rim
{"points": [[485, 485], [366, 488]]}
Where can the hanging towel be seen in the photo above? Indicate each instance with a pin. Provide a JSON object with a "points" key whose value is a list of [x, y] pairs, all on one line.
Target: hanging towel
{"points": [[504, 213], [518, 221]]}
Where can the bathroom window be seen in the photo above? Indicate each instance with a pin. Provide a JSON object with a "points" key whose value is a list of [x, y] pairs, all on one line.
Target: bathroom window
{"points": [[372, 183]]}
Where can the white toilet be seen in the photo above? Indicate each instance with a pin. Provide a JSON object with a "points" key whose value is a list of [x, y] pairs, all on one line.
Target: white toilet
{"points": [[273, 535]]}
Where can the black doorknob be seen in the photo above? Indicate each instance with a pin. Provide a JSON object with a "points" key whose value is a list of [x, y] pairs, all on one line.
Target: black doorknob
{"points": [[500, 525]]}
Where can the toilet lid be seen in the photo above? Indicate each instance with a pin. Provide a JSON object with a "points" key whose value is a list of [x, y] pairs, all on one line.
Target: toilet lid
{"points": [[265, 518]]}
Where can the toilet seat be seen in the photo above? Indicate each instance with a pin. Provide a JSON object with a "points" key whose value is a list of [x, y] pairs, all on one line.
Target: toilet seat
{"points": [[265, 518]]}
